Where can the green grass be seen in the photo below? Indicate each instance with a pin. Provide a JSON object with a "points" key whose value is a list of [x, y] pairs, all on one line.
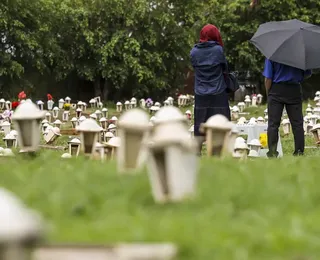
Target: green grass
{"points": [[259, 209]]}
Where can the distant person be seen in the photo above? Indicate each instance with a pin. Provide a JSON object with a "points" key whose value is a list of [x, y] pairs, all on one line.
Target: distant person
{"points": [[209, 63], [283, 87]]}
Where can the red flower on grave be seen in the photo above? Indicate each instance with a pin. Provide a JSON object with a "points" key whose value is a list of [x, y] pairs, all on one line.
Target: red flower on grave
{"points": [[49, 96], [15, 104], [22, 95]]}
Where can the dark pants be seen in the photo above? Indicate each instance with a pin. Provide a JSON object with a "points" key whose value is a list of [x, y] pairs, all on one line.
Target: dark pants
{"points": [[290, 97], [207, 106]]}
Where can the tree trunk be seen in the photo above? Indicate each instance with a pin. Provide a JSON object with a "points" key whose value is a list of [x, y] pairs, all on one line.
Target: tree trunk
{"points": [[104, 89], [97, 89], [101, 88]]}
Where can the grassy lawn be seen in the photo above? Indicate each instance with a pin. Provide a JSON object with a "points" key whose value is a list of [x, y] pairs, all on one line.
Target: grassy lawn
{"points": [[258, 209]]}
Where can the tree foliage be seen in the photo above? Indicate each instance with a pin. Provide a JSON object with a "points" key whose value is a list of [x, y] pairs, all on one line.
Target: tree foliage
{"points": [[238, 23], [137, 47]]}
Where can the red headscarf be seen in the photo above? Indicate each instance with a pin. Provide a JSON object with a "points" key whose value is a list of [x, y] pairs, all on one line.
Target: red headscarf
{"points": [[210, 33]]}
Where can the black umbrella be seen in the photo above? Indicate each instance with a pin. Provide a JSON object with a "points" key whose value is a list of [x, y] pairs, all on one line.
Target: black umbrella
{"points": [[291, 42]]}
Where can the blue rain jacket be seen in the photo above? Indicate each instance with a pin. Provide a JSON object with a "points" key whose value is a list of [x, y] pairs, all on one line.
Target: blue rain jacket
{"points": [[209, 63]]}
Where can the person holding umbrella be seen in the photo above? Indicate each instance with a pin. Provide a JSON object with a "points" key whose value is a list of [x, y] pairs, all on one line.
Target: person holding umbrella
{"points": [[283, 87], [291, 49]]}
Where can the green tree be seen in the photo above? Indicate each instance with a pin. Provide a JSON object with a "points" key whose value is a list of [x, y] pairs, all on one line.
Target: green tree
{"points": [[133, 47], [26, 40], [128, 48], [238, 23]]}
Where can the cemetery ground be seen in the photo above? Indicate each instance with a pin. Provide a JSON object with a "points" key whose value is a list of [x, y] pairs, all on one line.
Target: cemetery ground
{"points": [[258, 209]]}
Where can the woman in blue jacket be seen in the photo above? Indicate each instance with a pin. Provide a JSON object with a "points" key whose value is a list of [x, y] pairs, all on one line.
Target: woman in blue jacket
{"points": [[209, 63]]}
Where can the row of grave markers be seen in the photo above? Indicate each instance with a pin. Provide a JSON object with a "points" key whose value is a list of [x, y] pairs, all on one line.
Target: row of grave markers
{"points": [[167, 143], [310, 119]]}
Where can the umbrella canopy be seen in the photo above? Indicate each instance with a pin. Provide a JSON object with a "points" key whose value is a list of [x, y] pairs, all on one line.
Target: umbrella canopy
{"points": [[292, 42]]}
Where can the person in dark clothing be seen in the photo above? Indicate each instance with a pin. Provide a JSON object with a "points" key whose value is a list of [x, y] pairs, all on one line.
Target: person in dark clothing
{"points": [[283, 86], [209, 63]]}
